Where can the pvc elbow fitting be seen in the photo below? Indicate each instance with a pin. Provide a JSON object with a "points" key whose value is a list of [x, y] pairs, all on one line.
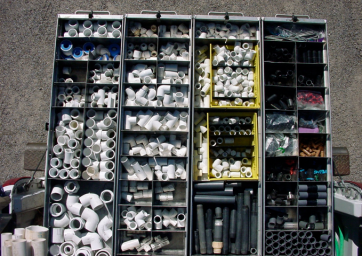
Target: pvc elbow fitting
{"points": [[161, 90], [104, 228], [94, 240], [60, 222], [91, 199], [130, 245], [91, 218]]}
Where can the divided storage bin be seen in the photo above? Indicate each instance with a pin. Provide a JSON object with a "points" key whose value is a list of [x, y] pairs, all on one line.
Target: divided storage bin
{"points": [[83, 135], [298, 173], [155, 136]]}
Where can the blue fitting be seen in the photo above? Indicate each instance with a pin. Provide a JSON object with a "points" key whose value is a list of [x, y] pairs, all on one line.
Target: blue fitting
{"points": [[88, 47], [114, 49], [78, 52]]}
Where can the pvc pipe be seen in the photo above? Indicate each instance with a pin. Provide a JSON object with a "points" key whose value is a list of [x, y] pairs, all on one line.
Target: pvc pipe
{"points": [[91, 219], [19, 247], [60, 222], [130, 245], [76, 224], [5, 237], [57, 235], [73, 205], [56, 210], [104, 228], [239, 223], [57, 193], [201, 228], [71, 187], [91, 199], [84, 251], [139, 171], [104, 252]]}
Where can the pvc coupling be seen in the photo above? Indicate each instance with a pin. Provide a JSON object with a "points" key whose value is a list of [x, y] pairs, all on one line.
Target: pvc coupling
{"points": [[147, 244], [156, 121], [70, 96], [164, 95], [165, 193], [174, 31], [172, 74], [141, 73], [174, 51], [142, 30], [134, 191], [225, 30], [93, 28], [137, 218], [104, 74], [202, 78], [89, 51], [142, 51], [169, 218]]}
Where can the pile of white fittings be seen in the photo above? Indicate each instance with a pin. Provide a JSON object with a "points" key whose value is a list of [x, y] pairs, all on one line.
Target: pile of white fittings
{"points": [[229, 168], [104, 74], [27, 241], [242, 55], [165, 95], [164, 169], [164, 193], [170, 219], [202, 78], [100, 144], [79, 224], [137, 218], [88, 28], [136, 29], [141, 73], [155, 121], [103, 97], [174, 31], [174, 51], [142, 51], [226, 31], [172, 74], [89, 51], [67, 151], [137, 192], [71, 96], [200, 155], [146, 244]]}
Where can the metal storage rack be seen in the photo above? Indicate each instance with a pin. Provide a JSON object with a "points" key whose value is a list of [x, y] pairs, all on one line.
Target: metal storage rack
{"points": [[157, 48], [200, 143], [295, 59], [72, 91]]}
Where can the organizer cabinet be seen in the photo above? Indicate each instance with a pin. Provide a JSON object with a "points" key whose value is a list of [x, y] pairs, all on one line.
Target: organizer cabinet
{"points": [[298, 202]]}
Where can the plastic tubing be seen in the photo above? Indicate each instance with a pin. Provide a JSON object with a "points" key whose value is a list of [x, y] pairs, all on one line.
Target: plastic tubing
{"points": [[201, 228], [207, 186]]}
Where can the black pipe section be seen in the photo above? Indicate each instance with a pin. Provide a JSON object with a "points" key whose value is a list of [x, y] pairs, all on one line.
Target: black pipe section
{"points": [[207, 186], [315, 56], [229, 191], [209, 223], [312, 202], [218, 213], [217, 243], [254, 225], [245, 245], [309, 56], [312, 188], [197, 242], [206, 199], [226, 227], [209, 241], [233, 185], [320, 56], [201, 227], [326, 238], [239, 222], [308, 195], [233, 224]]}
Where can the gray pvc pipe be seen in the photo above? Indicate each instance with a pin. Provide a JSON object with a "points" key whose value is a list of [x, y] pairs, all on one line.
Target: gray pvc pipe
{"points": [[290, 225], [232, 224], [312, 195], [308, 246], [318, 226], [226, 227], [209, 186], [281, 235], [229, 191], [321, 251], [209, 223], [269, 250], [197, 242], [312, 219], [301, 234], [245, 244], [312, 188], [326, 238], [218, 230], [218, 213], [312, 202], [295, 251], [201, 227], [288, 252], [254, 225], [308, 234], [294, 234], [209, 241], [239, 223], [204, 199], [303, 224], [304, 252]]}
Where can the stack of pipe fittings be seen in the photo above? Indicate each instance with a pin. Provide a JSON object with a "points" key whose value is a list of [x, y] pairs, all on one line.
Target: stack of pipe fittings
{"points": [[156, 121], [229, 126], [310, 80], [279, 101], [71, 96], [202, 77], [174, 51], [313, 223], [297, 243], [67, 152], [80, 224], [309, 55], [230, 168], [141, 73], [174, 31], [137, 29], [165, 169], [282, 77], [279, 54], [274, 198], [172, 74], [225, 30], [281, 222], [105, 74], [282, 171], [137, 218], [147, 244], [67, 71], [136, 192], [154, 146], [229, 229], [164, 96], [103, 97], [90, 28], [200, 155], [280, 122], [312, 147], [312, 195], [32, 240], [164, 193], [88, 51], [241, 55], [141, 51], [313, 174], [100, 144], [169, 219]]}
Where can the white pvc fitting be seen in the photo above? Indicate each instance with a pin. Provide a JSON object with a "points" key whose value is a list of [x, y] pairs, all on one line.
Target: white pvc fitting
{"points": [[84, 251], [91, 199], [106, 196], [68, 248], [130, 245], [104, 228], [19, 247], [76, 223], [60, 222], [57, 193], [91, 218], [106, 176], [71, 187], [73, 205], [57, 235], [57, 209]]}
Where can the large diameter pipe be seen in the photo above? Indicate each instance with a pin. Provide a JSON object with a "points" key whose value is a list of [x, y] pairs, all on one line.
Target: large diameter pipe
{"points": [[207, 186], [245, 245], [214, 199], [201, 228], [239, 223], [226, 227], [19, 247], [4, 237], [40, 247]]}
